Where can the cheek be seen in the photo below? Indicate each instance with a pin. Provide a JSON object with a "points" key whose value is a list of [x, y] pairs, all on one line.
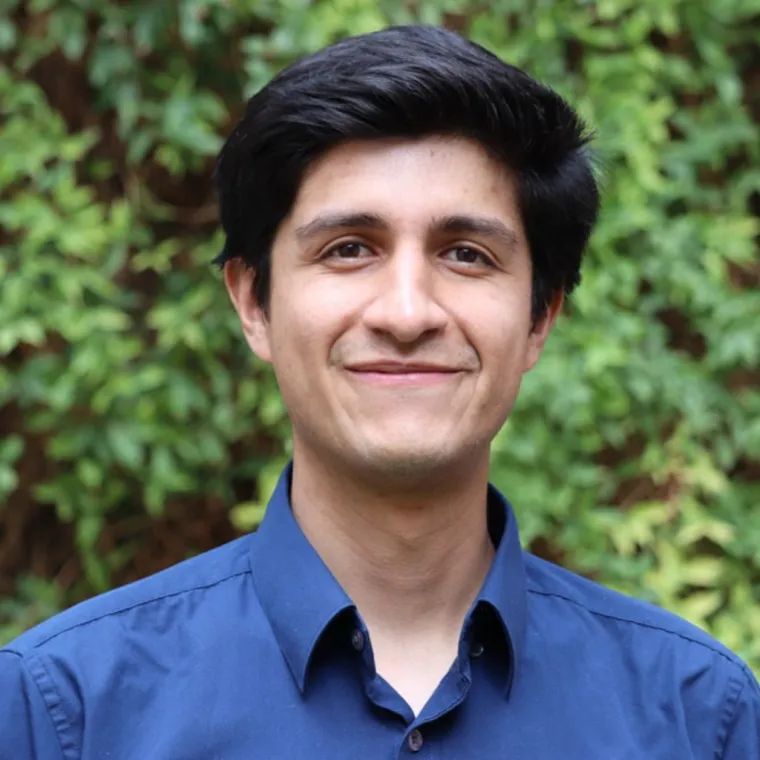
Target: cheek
{"points": [[501, 339], [499, 326], [306, 319]]}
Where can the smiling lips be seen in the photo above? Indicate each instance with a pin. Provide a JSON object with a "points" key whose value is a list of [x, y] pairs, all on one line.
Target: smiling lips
{"points": [[403, 373]]}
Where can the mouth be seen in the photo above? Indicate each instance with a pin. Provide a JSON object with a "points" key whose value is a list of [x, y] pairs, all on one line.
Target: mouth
{"points": [[403, 373]]}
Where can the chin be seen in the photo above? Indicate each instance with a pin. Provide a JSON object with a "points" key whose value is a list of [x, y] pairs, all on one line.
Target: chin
{"points": [[407, 463]]}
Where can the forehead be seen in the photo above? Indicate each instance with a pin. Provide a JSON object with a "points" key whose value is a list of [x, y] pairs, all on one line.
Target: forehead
{"points": [[406, 180]]}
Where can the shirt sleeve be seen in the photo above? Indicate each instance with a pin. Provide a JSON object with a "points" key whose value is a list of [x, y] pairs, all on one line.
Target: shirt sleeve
{"points": [[741, 739], [26, 727]]}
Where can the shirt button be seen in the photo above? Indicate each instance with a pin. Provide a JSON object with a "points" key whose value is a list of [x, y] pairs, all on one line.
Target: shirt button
{"points": [[357, 640], [414, 740], [476, 649]]}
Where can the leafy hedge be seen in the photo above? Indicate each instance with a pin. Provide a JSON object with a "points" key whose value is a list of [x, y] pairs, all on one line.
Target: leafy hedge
{"points": [[136, 428]]}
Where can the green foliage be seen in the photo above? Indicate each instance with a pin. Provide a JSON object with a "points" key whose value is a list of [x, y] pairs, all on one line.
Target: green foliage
{"points": [[634, 452]]}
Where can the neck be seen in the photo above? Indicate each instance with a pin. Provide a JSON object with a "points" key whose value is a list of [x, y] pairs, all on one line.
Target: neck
{"points": [[413, 559]]}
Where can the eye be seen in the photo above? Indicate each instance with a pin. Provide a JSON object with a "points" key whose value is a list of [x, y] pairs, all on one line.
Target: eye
{"points": [[351, 250], [467, 256]]}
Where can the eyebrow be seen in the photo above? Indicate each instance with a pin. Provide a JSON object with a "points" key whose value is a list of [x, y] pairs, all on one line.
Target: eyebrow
{"points": [[464, 224], [460, 224], [333, 222]]}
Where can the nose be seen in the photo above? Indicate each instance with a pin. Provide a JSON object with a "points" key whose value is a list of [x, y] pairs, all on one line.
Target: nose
{"points": [[405, 305]]}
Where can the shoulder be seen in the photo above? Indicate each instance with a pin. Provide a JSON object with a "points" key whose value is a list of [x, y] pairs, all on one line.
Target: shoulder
{"points": [[180, 588], [626, 620], [125, 652], [659, 667]]}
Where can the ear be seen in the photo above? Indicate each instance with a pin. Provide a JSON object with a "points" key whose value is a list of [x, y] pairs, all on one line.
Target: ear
{"points": [[239, 280], [540, 332]]}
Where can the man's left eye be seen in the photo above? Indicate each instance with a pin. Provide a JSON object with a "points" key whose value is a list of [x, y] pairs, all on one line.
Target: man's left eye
{"points": [[464, 255]]}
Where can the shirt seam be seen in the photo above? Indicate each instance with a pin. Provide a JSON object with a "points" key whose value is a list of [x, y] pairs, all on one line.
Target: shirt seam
{"points": [[734, 693], [128, 608], [734, 661], [58, 707], [25, 665]]}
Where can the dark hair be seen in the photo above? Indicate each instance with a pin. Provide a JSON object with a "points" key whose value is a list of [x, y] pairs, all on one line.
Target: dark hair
{"points": [[410, 81]]}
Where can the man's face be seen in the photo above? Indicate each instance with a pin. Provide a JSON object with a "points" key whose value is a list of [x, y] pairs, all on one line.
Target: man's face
{"points": [[400, 311]]}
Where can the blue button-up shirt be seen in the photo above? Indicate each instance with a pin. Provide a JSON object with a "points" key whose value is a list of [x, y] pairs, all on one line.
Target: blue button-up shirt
{"points": [[253, 650]]}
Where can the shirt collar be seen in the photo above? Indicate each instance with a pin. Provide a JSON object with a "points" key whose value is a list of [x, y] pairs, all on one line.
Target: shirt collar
{"points": [[504, 590], [301, 597], [298, 593]]}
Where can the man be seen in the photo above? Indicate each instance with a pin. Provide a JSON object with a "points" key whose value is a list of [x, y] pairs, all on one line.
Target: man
{"points": [[404, 214]]}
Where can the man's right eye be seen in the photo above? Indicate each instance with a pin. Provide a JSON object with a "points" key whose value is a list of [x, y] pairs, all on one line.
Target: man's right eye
{"points": [[349, 250]]}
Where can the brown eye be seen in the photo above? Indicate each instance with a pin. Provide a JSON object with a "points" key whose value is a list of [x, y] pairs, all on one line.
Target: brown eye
{"points": [[348, 251], [469, 256]]}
